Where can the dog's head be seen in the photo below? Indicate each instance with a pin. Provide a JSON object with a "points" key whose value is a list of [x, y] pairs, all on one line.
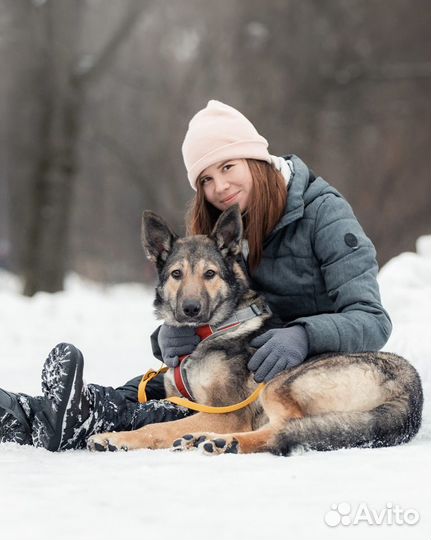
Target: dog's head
{"points": [[201, 278]]}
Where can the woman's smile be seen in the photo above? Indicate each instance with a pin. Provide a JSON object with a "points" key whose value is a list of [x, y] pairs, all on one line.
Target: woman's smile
{"points": [[230, 198]]}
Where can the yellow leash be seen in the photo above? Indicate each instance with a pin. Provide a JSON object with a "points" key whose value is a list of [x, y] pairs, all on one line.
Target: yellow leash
{"points": [[217, 410], [150, 374], [146, 378]]}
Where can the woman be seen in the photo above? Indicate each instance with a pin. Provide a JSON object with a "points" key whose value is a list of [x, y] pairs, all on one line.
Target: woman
{"points": [[305, 252]]}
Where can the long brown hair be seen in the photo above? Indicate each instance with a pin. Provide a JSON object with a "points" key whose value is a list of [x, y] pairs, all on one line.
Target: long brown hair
{"points": [[266, 204]]}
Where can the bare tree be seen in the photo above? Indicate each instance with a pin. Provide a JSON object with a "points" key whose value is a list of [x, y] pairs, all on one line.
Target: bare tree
{"points": [[66, 79]]}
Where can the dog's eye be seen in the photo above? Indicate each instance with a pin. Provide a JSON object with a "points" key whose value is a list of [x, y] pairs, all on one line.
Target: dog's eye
{"points": [[176, 274], [209, 274]]}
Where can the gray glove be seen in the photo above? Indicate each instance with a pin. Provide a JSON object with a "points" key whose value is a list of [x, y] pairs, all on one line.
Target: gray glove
{"points": [[278, 349], [176, 341]]}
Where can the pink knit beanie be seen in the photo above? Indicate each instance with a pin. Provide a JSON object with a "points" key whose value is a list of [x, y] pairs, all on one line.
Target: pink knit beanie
{"points": [[217, 133]]}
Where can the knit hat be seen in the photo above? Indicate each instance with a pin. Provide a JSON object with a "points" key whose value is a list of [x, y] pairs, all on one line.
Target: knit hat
{"points": [[220, 132]]}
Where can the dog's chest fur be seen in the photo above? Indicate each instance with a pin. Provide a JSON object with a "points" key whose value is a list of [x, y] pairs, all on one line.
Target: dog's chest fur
{"points": [[216, 371]]}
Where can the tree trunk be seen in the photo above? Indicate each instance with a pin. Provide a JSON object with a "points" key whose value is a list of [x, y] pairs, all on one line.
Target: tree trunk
{"points": [[52, 186], [54, 178]]}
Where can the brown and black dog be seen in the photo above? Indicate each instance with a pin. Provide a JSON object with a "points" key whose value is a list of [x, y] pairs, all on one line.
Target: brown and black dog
{"points": [[329, 402]]}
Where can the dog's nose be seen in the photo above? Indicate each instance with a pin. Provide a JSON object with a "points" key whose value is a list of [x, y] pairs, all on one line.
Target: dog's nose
{"points": [[191, 307]]}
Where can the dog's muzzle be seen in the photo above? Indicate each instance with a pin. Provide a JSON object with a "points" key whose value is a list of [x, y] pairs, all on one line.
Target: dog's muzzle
{"points": [[191, 308]]}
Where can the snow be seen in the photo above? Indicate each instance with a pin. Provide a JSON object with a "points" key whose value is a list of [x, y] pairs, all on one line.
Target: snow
{"points": [[158, 494]]}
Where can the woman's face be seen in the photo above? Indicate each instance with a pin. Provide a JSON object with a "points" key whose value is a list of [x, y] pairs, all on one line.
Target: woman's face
{"points": [[226, 183]]}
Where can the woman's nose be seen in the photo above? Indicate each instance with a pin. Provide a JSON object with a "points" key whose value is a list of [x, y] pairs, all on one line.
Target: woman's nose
{"points": [[220, 184]]}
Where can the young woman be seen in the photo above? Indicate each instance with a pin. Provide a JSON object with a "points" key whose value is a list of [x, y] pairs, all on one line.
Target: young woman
{"points": [[305, 252]]}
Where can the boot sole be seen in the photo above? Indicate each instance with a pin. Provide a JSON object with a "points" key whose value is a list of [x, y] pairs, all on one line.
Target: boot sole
{"points": [[61, 382]]}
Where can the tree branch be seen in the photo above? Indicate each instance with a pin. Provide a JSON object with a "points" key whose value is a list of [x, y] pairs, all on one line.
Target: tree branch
{"points": [[95, 66]]}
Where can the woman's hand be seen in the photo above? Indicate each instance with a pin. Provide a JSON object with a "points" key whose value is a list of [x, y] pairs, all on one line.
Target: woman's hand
{"points": [[176, 341], [278, 349]]}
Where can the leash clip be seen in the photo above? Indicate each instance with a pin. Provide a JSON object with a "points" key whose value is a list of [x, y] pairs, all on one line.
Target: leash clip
{"points": [[258, 311]]}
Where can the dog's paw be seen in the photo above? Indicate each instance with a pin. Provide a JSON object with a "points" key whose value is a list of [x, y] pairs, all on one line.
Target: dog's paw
{"points": [[105, 442], [223, 444], [187, 442], [210, 444]]}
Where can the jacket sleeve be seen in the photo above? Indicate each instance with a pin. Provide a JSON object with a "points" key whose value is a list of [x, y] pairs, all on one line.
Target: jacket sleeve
{"points": [[347, 260], [155, 344]]}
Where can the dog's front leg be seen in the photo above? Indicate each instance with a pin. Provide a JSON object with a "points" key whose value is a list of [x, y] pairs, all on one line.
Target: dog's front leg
{"points": [[164, 434]]}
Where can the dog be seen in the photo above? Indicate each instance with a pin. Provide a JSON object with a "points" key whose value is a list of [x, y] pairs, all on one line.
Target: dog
{"points": [[329, 402]]}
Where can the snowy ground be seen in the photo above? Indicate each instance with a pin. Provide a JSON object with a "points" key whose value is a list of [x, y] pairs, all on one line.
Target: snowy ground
{"points": [[159, 494]]}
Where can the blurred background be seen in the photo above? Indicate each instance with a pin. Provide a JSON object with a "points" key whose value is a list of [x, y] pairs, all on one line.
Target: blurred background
{"points": [[96, 95]]}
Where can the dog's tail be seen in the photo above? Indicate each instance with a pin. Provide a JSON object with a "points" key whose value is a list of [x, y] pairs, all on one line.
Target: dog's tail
{"points": [[394, 422]]}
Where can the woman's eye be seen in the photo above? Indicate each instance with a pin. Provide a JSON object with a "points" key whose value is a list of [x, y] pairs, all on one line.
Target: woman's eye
{"points": [[209, 274], [205, 180], [176, 274], [227, 166]]}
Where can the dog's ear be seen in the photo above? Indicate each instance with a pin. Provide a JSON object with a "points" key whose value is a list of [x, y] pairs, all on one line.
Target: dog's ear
{"points": [[157, 238], [227, 232]]}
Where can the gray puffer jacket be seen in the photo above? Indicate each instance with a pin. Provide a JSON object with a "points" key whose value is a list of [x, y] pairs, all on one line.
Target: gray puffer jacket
{"points": [[319, 270]]}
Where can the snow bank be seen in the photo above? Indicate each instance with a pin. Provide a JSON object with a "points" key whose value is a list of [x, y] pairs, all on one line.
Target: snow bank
{"points": [[158, 494], [405, 286]]}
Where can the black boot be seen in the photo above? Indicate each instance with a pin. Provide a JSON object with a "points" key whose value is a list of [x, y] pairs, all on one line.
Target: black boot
{"points": [[16, 416], [64, 399], [73, 411], [41, 420]]}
